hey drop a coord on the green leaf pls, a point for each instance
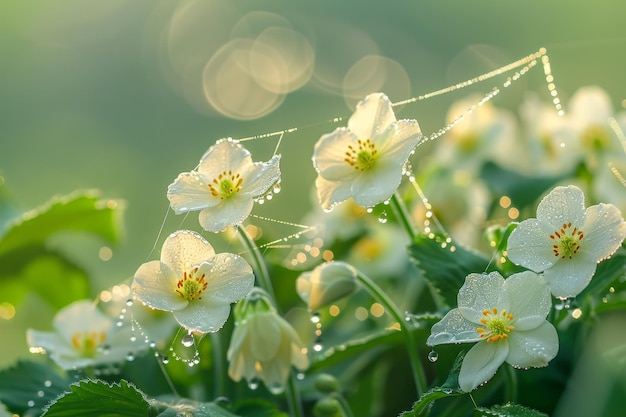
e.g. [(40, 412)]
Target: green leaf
[(30, 385), (521, 189), (28, 265), (508, 410), (187, 408), (609, 273), (98, 398), (257, 407), (83, 211), (37, 269), (422, 405), (446, 264)]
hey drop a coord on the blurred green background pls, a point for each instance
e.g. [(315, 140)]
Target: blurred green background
[(122, 95)]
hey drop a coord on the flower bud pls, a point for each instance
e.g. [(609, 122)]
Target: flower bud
[(326, 284)]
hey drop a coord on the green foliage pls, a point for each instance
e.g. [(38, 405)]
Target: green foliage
[(93, 397), (30, 385), (28, 265), (445, 269), (522, 190), (508, 410)]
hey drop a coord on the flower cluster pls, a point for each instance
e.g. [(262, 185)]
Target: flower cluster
[(506, 313)]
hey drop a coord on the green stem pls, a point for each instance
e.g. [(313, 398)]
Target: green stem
[(402, 214), (389, 305), (218, 364), (510, 377), (261, 272), (344, 404), (263, 279)]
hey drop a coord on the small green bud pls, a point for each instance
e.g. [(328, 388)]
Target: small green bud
[(326, 383)]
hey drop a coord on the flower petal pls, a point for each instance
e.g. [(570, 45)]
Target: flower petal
[(230, 212), (563, 205), (568, 277), (260, 177), (155, 286), (373, 115), (225, 155), (188, 193), (481, 363), (482, 292), (204, 316), (530, 299), (399, 140), (605, 230), (533, 348), (265, 335), (80, 316), (530, 245), (229, 277), (371, 188), (453, 328), (330, 153), (331, 193), (183, 249)]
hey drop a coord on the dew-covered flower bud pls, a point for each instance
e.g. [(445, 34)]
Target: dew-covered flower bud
[(326, 284), (263, 346)]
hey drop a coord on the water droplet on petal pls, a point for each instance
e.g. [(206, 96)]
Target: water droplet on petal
[(276, 189), (276, 389), (165, 360), (130, 357), (383, 217), (318, 345), (129, 302), (433, 356), (253, 384), (187, 340), (133, 338)]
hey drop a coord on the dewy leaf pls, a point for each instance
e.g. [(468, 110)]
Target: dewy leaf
[(422, 405), (30, 385), (508, 410), (444, 268), (98, 398), (77, 211), (188, 408)]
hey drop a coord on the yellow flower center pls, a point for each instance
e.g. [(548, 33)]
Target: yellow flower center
[(191, 285), (363, 156), (566, 241), (87, 342), (596, 137), (496, 325), (226, 184)]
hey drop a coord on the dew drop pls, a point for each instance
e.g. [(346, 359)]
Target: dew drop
[(369, 209), (119, 324), (47, 383), (433, 356), (105, 349), (383, 217), (276, 189), (447, 391), (187, 340), (268, 197), (276, 389), (315, 318), (165, 360), (130, 357), (30, 403), (318, 346), (261, 201), (133, 338), (300, 376), (152, 344), (253, 384), (129, 302), (40, 394)]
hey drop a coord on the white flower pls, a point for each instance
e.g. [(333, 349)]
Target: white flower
[(566, 241), (223, 186), (264, 346), (193, 282), (326, 284), (508, 320), (83, 336), (365, 160)]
